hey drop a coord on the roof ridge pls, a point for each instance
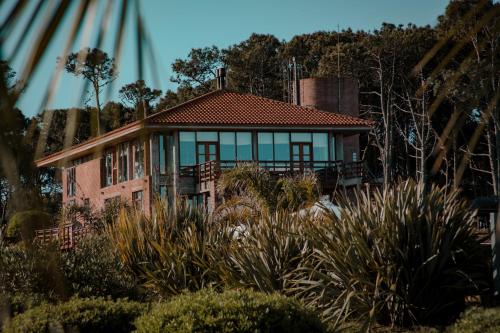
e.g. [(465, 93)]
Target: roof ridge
[(190, 101), (310, 108)]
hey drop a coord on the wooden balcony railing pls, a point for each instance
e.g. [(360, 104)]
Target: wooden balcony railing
[(325, 171), (67, 235)]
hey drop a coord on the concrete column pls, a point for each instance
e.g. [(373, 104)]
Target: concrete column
[(176, 165)]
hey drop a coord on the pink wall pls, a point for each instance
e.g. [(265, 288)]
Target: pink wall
[(88, 186)]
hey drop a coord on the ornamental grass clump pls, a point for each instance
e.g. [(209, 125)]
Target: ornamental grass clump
[(170, 252), (401, 257), (267, 252)]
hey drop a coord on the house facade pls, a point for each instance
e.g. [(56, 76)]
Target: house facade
[(183, 150)]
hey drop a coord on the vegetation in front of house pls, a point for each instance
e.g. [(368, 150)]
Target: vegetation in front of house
[(477, 320), (22, 225), (230, 311), (91, 269), (83, 315), (403, 257)]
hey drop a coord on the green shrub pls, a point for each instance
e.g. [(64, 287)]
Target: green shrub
[(12, 305), (22, 225), (477, 320), (230, 311), (402, 257), (93, 269), (82, 315), (90, 269), (30, 270)]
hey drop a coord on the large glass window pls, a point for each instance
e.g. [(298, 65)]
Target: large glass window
[(187, 149), (123, 162), (282, 146), (138, 160), (301, 137), (332, 148), (206, 136), (265, 146), (227, 146), (320, 146), (244, 146)]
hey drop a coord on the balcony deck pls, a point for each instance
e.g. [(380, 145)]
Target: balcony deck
[(329, 173)]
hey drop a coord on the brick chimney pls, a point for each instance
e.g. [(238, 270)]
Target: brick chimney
[(220, 75)]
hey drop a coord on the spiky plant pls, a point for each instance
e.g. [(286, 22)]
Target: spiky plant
[(251, 188), (169, 252), (265, 252), (405, 256)]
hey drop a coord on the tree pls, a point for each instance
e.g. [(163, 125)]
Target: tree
[(96, 67), (139, 96), (199, 68), (254, 66)]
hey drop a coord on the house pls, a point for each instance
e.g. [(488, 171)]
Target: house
[(182, 151)]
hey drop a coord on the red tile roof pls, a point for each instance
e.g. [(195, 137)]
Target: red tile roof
[(223, 107)]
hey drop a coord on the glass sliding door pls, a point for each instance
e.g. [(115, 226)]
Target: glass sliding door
[(301, 155)]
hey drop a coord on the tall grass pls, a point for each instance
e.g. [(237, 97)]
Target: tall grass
[(170, 252)]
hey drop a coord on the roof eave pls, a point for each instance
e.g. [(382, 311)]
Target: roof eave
[(91, 146)]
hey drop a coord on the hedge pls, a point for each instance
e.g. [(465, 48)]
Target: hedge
[(477, 320), (230, 311), (79, 315)]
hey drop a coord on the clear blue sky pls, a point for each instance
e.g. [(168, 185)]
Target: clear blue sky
[(176, 26)]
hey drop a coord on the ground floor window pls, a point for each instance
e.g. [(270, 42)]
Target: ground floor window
[(138, 200)]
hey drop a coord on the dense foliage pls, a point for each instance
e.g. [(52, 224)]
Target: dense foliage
[(22, 225), (477, 320), (401, 257), (91, 315), (91, 269), (230, 311)]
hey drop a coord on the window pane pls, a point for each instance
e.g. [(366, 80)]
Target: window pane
[(161, 151), (244, 146), (265, 141), (109, 168), (206, 136), (138, 160), (281, 146), (320, 146), (170, 157), (227, 146), (123, 163), (187, 149), (332, 148), (301, 137)]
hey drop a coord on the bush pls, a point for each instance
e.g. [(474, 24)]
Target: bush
[(402, 257), (22, 225), (12, 305), (93, 269), (29, 270), (90, 269), (477, 320), (230, 311), (81, 315)]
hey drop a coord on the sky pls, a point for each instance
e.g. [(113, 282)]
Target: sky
[(176, 26)]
